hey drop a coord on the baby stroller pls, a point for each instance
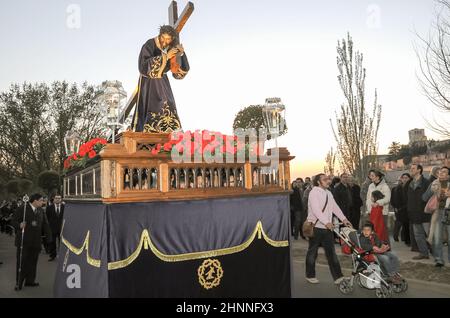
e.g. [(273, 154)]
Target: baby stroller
[(367, 272)]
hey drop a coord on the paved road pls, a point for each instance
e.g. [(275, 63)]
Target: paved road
[(302, 289), (45, 272), (327, 289)]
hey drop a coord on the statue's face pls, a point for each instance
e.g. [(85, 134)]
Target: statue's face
[(165, 40)]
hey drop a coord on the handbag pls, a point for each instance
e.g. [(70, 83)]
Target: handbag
[(308, 227), (432, 205)]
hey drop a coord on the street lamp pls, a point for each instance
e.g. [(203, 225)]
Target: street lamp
[(274, 113), (112, 96), (72, 142)]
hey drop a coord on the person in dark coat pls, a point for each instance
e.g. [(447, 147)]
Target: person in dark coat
[(357, 203), (416, 207), (296, 209), (334, 182), (55, 216), (343, 195), (399, 203), (32, 225)]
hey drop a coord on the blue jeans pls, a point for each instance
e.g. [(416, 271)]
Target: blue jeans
[(438, 246), (420, 234), (389, 262)]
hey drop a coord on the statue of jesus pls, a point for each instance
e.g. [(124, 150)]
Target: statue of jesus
[(155, 110)]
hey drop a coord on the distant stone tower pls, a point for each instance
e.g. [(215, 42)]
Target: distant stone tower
[(417, 137)]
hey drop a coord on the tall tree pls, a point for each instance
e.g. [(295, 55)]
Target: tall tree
[(24, 142), (252, 117), (356, 127), (433, 53), (330, 162), (78, 109), (34, 119), (394, 148)]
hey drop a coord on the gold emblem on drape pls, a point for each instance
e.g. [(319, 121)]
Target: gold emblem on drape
[(210, 273)]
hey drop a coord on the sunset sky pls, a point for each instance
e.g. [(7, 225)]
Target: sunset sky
[(240, 52)]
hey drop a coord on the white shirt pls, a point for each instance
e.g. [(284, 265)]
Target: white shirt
[(33, 207), (316, 202)]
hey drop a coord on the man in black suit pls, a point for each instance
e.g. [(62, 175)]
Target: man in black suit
[(28, 251), (55, 215)]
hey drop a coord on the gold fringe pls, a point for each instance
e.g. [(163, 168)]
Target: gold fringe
[(78, 251), (146, 243)]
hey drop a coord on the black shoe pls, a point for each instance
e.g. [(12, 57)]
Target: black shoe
[(32, 284), (51, 259), (18, 287), (396, 238), (438, 265)]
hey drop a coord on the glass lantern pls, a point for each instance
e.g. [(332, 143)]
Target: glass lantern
[(112, 96), (274, 113), (72, 142)]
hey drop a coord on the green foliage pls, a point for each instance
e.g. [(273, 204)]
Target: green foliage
[(407, 160), (394, 148), (406, 153), (49, 180), (25, 186), (34, 119), (441, 147), (252, 117), (12, 188)]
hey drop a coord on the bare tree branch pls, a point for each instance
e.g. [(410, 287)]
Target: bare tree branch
[(355, 129)]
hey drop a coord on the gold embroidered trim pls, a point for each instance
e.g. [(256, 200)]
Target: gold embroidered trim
[(165, 121), (158, 66), (158, 45), (158, 62), (147, 243), (78, 251)]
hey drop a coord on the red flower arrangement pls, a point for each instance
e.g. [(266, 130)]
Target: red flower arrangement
[(205, 143), (88, 150)]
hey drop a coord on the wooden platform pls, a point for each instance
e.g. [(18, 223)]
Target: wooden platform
[(128, 172)]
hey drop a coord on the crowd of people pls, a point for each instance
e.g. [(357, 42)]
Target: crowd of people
[(421, 206), (36, 225)]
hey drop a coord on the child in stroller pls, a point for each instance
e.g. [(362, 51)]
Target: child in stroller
[(370, 242), (374, 265)]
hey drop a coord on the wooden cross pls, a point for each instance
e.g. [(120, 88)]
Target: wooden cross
[(177, 22)]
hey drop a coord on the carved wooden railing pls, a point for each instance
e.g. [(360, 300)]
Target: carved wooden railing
[(128, 172)]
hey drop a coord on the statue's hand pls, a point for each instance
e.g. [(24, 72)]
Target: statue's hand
[(180, 49), (172, 53)]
